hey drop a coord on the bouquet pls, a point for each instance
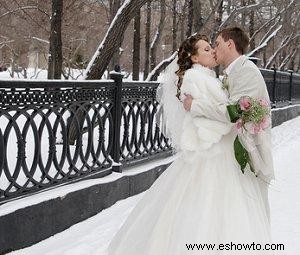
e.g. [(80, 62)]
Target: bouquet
[(251, 116)]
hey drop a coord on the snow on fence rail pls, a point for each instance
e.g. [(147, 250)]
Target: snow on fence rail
[(54, 132)]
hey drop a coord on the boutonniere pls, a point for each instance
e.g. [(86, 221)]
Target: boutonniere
[(225, 83)]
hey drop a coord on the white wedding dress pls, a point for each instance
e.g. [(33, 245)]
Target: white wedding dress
[(202, 197)]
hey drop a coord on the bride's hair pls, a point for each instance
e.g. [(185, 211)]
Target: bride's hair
[(186, 50)]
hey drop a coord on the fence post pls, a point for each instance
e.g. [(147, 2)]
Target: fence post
[(274, 87), (116, 112), (291, 86), (2, 155)]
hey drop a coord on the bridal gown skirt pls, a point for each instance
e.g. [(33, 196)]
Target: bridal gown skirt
[(201, 198)]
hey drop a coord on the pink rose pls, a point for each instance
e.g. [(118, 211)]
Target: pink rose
[(265, 123), (245, 104), (253, 128), (256, 129), (263, 103)]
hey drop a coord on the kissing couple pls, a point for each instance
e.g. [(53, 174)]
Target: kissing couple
[(215, 192)]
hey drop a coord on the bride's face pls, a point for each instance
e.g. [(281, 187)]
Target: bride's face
[(205, 55)]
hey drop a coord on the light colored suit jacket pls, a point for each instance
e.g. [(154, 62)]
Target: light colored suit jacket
[(245, 79)]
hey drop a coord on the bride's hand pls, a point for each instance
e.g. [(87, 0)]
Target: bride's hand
[(187, 102)]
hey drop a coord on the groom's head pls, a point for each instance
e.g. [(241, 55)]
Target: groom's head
[(230, 43)]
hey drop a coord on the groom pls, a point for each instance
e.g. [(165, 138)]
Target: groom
[(241, 78)]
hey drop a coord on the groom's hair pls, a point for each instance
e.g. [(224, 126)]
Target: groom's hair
[(238, 35)]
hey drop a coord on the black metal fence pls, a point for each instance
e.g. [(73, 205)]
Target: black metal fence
[(56, 132), (283, 87)]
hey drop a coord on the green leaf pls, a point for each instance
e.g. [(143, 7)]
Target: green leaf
[(241, 154), (234, 112)]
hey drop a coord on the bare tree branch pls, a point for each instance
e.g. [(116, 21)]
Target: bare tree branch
[(160, 67), (22, 8), (288, 59), (264, 43), (242, 9), (287, 40)]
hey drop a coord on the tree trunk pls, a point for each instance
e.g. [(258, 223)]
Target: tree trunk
[(243, 19), (218, 21), (190, 18), (99, 62), (182, 20), (55, 50), (198, 18), (174, 26), (147, 41), (13, 65), (136, 47), (114, 6), (298, 68), (158, 35), (264, 57), (252, 28), (292, 60)]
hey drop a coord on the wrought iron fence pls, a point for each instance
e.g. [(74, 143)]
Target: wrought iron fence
[(283, 87), (56, 132)]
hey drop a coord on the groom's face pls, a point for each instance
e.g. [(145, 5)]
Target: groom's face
[(221, 50)]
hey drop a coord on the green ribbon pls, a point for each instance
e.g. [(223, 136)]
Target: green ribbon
[(241, 154), (234, 112)]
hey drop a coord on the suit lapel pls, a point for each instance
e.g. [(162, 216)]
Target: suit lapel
[(234, 71)]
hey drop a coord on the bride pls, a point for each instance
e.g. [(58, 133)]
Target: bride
[(202, 203)]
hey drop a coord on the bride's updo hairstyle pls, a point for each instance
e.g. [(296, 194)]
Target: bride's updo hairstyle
[(186, 50)]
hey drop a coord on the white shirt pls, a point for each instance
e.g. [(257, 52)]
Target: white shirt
[(228, 69)]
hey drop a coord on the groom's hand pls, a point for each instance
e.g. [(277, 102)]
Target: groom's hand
[(187, 102)]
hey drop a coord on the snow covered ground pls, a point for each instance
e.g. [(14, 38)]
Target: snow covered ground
[(41, 74), (94, 234), (74, 74)]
